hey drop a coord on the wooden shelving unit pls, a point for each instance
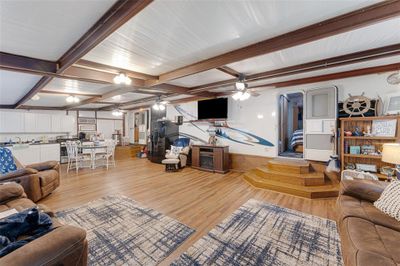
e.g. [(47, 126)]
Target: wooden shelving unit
[(362, 123)]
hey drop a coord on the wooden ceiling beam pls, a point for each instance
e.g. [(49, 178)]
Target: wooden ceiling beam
[(116, 16), (111, 69), (18, 62), (179, 101), (343, 23), (229, 71), (357, 57), (328, 77)]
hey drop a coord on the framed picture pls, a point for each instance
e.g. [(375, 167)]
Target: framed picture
[(392, 104), (384, 128), (355, 149)]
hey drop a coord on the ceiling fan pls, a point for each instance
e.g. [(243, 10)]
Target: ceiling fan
[(242, 91), (394, 78), (159, 105)]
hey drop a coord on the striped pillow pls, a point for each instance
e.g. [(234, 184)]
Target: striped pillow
[(389, 201)]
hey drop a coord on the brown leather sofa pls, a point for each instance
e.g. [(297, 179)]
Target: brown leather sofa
[(369, 237), (38, 180), (64, 245)]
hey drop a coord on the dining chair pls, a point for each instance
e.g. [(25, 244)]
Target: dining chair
[(74, 156), (108, 154)]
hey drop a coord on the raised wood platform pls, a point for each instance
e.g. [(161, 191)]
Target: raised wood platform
[(295, 177)]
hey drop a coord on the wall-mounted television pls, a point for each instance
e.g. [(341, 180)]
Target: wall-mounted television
[(213, 109)]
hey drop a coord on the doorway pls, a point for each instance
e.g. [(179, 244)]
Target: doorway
[(291, 125), (140, 126)]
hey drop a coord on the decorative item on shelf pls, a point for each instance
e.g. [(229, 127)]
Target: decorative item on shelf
[(350, 166), (387, 170), (384, 128), (357, 106), (368, 132), (348, 133), (355, 149), (368, 149), (366, 167), (357, 132), (391, 154), (212, 140)]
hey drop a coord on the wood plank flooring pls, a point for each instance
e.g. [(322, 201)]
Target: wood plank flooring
[(198, 199)]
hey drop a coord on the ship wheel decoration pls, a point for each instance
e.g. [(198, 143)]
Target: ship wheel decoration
[(357, 105)]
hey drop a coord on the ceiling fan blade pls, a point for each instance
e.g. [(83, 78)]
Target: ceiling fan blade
[(254, 94)]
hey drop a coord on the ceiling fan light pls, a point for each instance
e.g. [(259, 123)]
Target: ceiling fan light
[(244, 96), (70, 99), (162, 107), (240, 85), (128, 81), (156, 107), (117, 112), (35, 98), (237, 95), (76, 99)]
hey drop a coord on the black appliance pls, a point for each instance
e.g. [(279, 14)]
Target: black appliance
[(163, 134), (63, 148), (212, 109)]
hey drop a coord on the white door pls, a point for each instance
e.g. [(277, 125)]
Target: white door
[(320, 123)]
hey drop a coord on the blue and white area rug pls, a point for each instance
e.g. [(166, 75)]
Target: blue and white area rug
[(263, 234), (121, 232)]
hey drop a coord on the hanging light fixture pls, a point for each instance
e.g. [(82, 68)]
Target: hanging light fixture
[(35, 98), (159, 105), (241, 96), (72, 99), (121, 78), (117, 112)]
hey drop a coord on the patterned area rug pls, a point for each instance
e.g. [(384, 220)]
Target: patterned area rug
[(263, 234), (121, 232)]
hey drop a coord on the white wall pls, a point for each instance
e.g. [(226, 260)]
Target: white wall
[(247, 115)]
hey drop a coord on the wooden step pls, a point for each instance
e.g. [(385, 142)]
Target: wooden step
[(308, 179), (289, 166), (312, 192)]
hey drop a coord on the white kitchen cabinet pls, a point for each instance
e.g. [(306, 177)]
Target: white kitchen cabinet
[(43, 123), (56, 121), (28, 155), (68, 124), (11, 122), (49, 152), (30, 122)]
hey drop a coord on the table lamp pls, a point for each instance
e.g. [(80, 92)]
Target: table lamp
[(391, 154)]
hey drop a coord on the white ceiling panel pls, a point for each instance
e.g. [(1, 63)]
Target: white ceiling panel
[(14, 85), (374, 36), (46, 29), (371, 63), (51, 100), (201, 78), (93, 106), (170, 34), (71, 86), (126, 97)]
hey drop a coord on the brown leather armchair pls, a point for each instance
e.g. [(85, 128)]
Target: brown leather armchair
[(64, 245), (38, 180)]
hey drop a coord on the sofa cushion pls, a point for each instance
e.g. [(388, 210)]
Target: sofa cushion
[(44, 165), (353, 207), (389, 201), (366, 243), (9, 191), (369, 190)]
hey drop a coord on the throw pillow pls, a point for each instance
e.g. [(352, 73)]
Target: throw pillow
[(389, 201), (175, 150), (6, 161)]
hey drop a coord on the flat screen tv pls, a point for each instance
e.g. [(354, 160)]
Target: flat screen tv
[(213, 109)]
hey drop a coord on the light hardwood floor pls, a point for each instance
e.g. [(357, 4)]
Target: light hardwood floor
[(198, 199)]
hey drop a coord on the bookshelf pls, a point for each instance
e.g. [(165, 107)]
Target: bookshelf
[(349, 124)]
